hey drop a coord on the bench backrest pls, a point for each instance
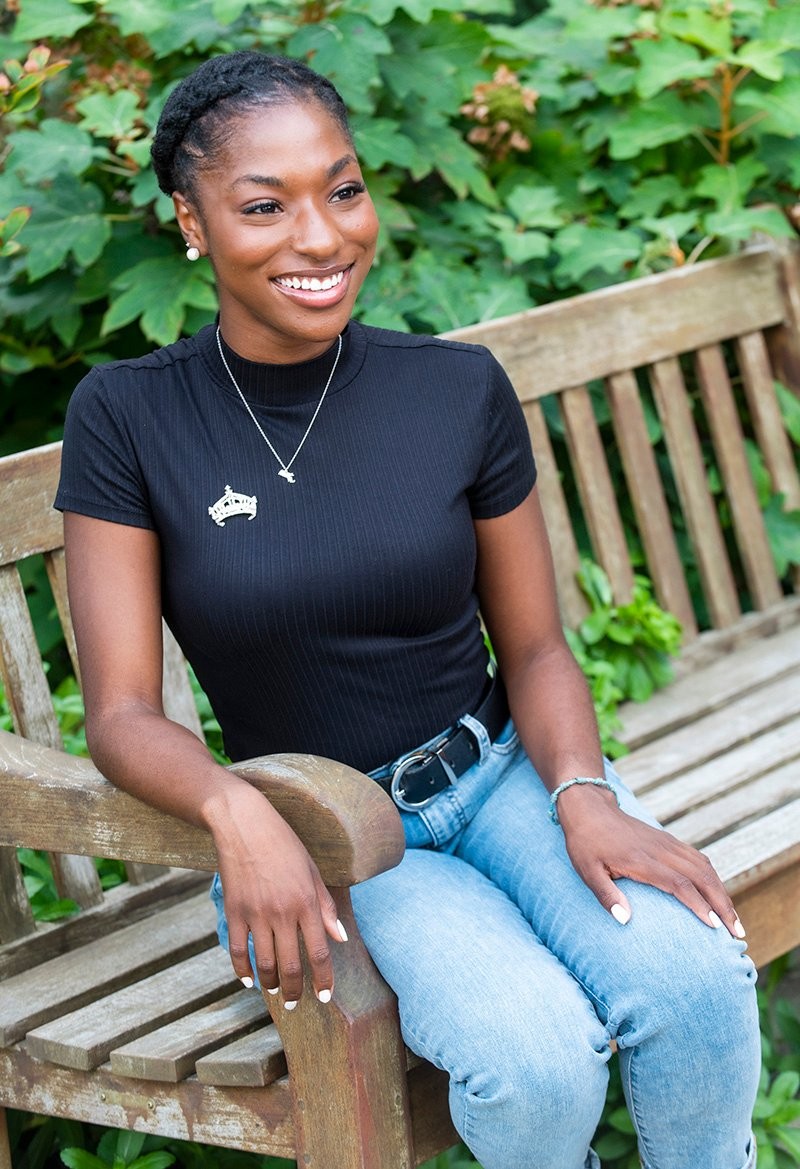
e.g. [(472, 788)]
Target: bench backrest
[(738, 319)]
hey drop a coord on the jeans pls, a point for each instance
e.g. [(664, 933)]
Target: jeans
[(511, 977)]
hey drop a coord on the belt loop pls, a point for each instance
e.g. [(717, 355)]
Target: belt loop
[(480, 732)]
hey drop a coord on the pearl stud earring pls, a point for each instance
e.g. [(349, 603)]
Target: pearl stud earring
[(192, 253)]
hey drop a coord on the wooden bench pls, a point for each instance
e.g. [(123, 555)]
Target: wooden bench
[(127, 1014)]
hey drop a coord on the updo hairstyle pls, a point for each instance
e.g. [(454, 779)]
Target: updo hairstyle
[(199, 114)]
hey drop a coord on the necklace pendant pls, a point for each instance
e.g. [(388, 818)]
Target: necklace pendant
[(286, 474)]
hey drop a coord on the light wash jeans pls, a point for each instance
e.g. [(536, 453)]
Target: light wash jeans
[(513, 978)]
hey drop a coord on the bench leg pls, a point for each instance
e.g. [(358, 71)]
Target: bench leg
[(5, 1147), (347, 1066)]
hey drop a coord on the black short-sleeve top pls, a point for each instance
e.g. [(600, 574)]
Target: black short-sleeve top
[(337, 614)]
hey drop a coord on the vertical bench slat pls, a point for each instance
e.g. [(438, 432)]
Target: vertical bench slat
[(596, 491), (771, 434), (726, 432), (686, 458), (179, 704), (574, 606), (647, 494), (56, 565), (16, 919)]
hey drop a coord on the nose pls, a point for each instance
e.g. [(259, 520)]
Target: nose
[(316, 232)]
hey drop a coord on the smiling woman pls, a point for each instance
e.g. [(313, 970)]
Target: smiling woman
[(319, 510)]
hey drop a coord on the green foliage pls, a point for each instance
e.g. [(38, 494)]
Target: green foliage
[(117, 1150), (623, 650)]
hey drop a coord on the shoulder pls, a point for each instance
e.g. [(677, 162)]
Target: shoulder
[(178, 355), (422, 345)]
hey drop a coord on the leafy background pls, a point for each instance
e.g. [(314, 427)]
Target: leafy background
[(518, 152)]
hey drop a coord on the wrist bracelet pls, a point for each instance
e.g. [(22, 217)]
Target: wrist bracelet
[(596, 781)]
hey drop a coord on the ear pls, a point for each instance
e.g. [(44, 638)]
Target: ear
[(189, 222)]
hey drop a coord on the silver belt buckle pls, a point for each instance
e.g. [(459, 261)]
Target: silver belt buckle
[(398, 795)]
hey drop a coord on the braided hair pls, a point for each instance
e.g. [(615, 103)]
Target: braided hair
[(196, 120)]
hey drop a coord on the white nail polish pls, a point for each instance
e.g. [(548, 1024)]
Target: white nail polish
[(621, 914), (324, 996), (342, 930), (739, 929), (273, 990), (714, 919), (290, 1006), (247, 982)]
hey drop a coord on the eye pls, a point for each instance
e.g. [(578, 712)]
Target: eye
[(264, 207), (349, 191)]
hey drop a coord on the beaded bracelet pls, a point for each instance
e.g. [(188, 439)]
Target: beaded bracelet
[(562, 787)]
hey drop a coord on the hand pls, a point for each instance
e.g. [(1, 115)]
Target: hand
[(273, 891), (605, 843)]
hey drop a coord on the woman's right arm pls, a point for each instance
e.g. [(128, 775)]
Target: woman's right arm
[(272, 887)]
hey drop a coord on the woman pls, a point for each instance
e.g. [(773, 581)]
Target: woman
[(318, 509)]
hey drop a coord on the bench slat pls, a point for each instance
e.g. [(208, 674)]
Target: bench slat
[(28, 483), (127, 955), (697, 505), (171, 1052), (85, 1038), (758, 849), (598, 499), (702, 825), (647, 496), (723, 420), (250, 1062), (16, 918)]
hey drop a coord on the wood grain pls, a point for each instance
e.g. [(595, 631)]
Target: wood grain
[(253, 1061)]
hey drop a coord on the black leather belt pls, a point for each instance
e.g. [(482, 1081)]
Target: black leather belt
[(419, 777)]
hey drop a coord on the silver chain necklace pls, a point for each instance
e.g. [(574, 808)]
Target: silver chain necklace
[(285, 471)]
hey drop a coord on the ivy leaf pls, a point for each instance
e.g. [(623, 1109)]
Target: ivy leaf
[(764, 58), (670, 227), (53, 148), (66, 220), (783, 532), (778, 105), (456, 161), (380, 141), (521, 246), (728, 186), (156, 292), (185, 22), (137, 16), (652, 194), (535, 206), (346, 51), (49, 19), (711, 30), (665, 61), (583, 248), (501, 298), (664, 119), (110, 115), (741, 223)]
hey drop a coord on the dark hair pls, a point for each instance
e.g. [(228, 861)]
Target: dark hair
[(195, 121)]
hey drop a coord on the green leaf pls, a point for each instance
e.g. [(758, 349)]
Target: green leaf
[(379, 141), (584, 248), (665, 61), (55, 147), (67, 222), (703, 26), (778, 106), (742, 223), (129, 1145), (783, 532), (535, 206), (137, 16), (500, 299), (47, 19), (651, 194), (670, 227), (790, 411), (728, 186), (345, 50), (790, 1139), (110, 115), (521, 246), (764, 57), (156, 292), (664, 119)]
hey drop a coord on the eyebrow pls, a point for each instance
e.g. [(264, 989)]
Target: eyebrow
[(273, 181)]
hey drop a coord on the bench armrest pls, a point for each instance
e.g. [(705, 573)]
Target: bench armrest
[(61, 803)]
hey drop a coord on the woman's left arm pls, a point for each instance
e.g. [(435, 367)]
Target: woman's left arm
[(552, 709)]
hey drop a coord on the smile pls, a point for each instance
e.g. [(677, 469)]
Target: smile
[(311, 283)]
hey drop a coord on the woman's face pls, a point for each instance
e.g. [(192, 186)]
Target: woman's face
[(289, 228)]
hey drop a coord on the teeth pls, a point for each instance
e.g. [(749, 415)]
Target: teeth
[(311, 283)]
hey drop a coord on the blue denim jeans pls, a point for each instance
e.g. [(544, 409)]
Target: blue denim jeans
[(511, 977)]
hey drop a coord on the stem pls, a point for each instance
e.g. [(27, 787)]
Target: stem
[(727, 89), (712, 150)]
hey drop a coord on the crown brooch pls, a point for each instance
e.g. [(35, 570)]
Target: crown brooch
[(232, 503)]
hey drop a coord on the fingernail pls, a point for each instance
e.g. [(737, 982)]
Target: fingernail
[(342, 930), (324, 996), (621, 914), (247, 982), (290, 1006), (739, 929), (714, 919), (273, 990)]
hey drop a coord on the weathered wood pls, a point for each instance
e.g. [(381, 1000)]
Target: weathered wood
[(5, 1147), (21, 671), (101, 967), (770, 913), (703, 825), (16, 918), (28, 484), (85, 1038), (256, 1120), (649, 503), (726, 430), (56, 565), (696, 503), (351, 827), (759, 849), (358, 1033), (569, 343), (179, 704), (171, 1053), (253, 1061), (783, 340), (598, 498), (428, 1091)]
